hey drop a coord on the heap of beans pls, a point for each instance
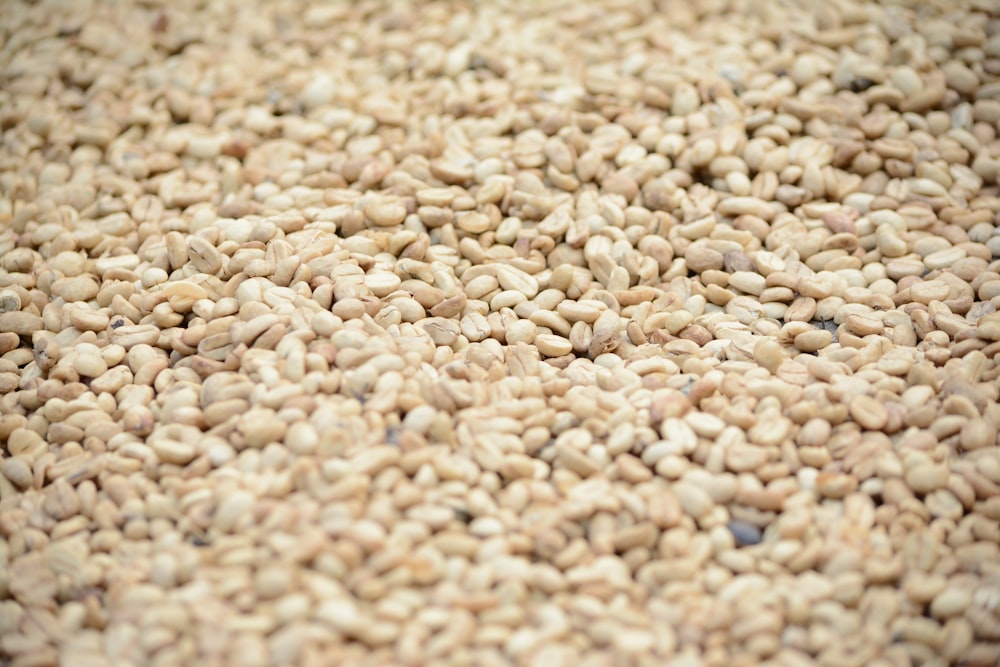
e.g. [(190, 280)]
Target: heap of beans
[(492, 333)]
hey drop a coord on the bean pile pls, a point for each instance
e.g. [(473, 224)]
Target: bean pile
[(515, 332)]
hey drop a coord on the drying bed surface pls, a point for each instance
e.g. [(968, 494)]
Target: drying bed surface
[(543, 333)]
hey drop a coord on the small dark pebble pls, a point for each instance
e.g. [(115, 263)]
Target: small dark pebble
[(745, 533), (861, 85), (829, 325), (197, 541)]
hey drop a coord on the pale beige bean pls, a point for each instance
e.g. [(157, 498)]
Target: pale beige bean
[(20, 322), (868, 412)]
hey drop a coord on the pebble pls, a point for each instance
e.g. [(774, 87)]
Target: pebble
[(745, 534)]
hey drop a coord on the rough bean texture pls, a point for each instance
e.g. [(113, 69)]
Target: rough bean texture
[(495, 333)]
